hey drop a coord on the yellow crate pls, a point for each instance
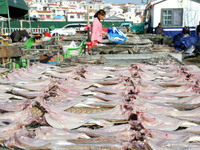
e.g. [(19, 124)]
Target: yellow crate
[(5, 42)]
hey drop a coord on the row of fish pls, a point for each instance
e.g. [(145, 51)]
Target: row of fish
[(97, 107), (162, 60)]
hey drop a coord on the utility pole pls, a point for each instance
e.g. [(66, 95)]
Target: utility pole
[(9, 30), (29, 20), (147, 10), (88, 22)]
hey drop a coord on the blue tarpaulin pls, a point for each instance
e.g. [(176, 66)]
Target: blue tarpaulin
[(181, 42), (115, 35)]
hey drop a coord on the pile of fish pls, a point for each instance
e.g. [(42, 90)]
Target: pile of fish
[(162, 60), (97, 107), (75, 61)]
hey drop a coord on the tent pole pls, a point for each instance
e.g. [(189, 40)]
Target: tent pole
[(2, 27), (21, 25), (29, 20), (8, 20)]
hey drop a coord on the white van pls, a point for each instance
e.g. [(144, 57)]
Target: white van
[(69, 29)]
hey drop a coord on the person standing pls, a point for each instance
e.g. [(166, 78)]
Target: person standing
[(159, 29), (198, 29), (97, 31), (37, 29)]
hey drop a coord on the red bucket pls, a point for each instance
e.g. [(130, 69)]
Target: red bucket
[(91, 44)]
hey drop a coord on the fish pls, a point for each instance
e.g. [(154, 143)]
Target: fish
[(48, 133), (154, 108), (25, 93), (8, 129), (169, 145), (15, 106), (97, 140), (183, 89), (107, 146), (149, 87), (193, 119), (188, 113), (22, 140), (161, 122), (185, 106), (34, 86), (167, 135), (116, 114), (193, 130), (194, 99), (65, 120), (24, 116)]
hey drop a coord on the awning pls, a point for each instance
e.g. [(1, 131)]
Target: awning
[(58, 17), (17, 8)]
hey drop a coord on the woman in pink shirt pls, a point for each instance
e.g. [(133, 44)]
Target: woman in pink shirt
[(96, 35)]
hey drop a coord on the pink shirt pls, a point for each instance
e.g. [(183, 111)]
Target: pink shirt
[(97, 31)]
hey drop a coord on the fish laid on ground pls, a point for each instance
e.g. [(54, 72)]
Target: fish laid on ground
[(98, 107), (49, 133), (14, 106), (161, 122), (25, 93), (22, 139)]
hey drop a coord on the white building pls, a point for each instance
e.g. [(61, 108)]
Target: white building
[(91, 16), (96, 4), (41, 1), (71, 2), (133, 12), (83, 5), (174, 15), (130, 11), (44, 15), (75, 16), (112, 10), (36, 7), (114, 18), (51, 6), (132, 16), (29, 2), (73, 10), (58, 11), (140, 8), (55, 1)]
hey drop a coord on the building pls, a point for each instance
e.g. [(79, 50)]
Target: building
[(114, 19), (44, 15), (36, 7), (96, 5), (29, 2), (70, 2), (132, 16), (128, 12), (41, 1), (174, 15), (76, 16), (76, 10), (58, 11)]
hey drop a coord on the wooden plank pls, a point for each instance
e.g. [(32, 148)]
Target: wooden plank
[(10, 51)]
